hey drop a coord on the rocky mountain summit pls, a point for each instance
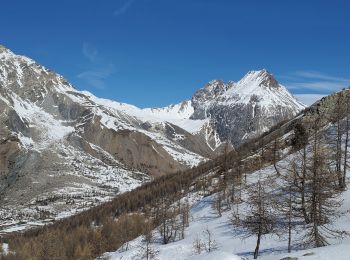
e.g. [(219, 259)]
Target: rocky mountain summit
[(63, 150), (246, 109)]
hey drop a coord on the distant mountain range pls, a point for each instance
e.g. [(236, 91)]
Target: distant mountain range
[(63, 150)]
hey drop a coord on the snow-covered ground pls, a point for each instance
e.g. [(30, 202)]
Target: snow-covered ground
[(231, 241)]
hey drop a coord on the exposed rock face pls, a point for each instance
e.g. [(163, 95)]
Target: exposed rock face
[(242, 110), (10, 155), (210, 92), (132, 148)]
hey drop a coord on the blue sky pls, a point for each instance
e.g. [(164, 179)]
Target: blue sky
[(156, 52)]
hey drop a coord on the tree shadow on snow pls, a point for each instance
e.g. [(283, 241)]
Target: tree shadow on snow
[(263, 252)]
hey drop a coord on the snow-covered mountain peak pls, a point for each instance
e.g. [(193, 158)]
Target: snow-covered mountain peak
[(254, 83), (261, 86), (6, 55), (254, 103), (26, 78), (4, 51), (213, 83), (3, 48), (261, 78), (210, 91)]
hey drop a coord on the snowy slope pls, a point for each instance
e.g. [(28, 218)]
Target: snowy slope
[(178, 114), (231, 241)]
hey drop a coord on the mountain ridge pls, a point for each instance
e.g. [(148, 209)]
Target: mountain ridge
[(60, 145)]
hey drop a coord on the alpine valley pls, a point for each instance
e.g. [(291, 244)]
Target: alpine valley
[(64, 150)]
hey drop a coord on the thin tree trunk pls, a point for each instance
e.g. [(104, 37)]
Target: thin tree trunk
[(276, 169), (316, 235), (290, 221), (303, 207), (338, 156), (275, 158), (233, 192), (346, 150), (256, 252), (260, 210), (314, 180)]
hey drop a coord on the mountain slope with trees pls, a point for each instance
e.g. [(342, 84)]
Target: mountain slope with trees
[(282, 191)]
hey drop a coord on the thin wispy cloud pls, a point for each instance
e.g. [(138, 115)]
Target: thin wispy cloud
[(125, 6), (89, 51), (321, 86), (98, 70), (322, 76), (309, 99), (310, 86), (306, 81), (97, 77)]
